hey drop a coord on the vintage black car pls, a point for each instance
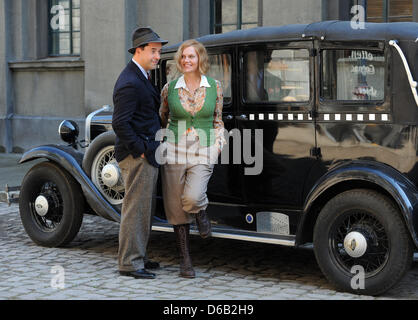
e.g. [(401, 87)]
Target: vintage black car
[(338, 113)]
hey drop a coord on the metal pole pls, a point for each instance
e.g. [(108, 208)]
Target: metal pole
[(260, 13), (239, 14), (71, 27), (385, 10)]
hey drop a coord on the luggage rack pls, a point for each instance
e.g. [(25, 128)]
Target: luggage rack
[(10, 195)]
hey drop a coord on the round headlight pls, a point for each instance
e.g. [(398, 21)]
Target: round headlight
[(68, 131)]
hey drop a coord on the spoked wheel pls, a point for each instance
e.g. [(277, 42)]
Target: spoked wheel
[(361, 242), (51, 205), (47, 209), (359, 239), (100, 164), (105, 174)]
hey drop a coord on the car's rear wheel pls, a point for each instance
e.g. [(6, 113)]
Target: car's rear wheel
[(51, 205), (101, 166), (361, 242)]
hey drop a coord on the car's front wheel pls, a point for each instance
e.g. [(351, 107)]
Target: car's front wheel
[(51, 205), (100, 164), (361, 242)]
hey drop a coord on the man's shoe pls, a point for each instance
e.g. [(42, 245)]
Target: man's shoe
[(152, 265), (138, 274)]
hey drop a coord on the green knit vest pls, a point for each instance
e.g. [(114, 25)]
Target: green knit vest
[(202, 121)]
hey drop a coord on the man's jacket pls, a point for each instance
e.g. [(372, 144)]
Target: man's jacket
[(136, 115)]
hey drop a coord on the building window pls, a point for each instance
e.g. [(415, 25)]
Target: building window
[(64, 27), (389, 10), (229, 15)]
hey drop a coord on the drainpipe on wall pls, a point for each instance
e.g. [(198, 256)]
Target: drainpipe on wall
[(196, 21), (131, 23), (8, 139)]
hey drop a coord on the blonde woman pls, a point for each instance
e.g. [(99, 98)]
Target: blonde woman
[(191, 108)]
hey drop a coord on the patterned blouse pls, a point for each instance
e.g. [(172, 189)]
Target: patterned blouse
[(192, 103)]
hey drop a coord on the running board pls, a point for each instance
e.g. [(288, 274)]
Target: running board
[(284, 241)]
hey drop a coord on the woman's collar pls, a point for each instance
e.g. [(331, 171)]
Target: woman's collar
[(181, 83)]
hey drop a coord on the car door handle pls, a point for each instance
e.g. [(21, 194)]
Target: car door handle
[(229, 117), (242, 117)]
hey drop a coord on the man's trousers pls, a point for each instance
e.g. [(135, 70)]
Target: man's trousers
[(140, 180)]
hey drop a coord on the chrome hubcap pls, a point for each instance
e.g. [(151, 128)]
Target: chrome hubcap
[(41, 205), (110, 175), (355, 244)]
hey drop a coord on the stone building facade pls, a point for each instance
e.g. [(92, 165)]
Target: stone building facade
[(59, 59)]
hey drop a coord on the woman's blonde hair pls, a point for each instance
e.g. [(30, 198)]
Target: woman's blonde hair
[(201, 53)]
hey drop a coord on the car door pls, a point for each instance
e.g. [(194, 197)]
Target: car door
[(225, 191), (276, 124), (221, 188), (354, 119)]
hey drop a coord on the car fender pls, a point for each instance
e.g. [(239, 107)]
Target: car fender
[(402, 191), (70, 160)]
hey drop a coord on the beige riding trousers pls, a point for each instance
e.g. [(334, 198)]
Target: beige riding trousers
[(184, 181)]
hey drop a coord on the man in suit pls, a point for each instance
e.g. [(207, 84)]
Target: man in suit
[(135, 122)]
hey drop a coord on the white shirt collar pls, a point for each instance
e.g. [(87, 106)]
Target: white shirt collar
[(142, 69), (181, 83)]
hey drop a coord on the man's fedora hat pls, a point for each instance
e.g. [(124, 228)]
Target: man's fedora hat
[(144, 35)]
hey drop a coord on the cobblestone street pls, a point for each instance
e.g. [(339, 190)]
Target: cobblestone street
[(225, 269)]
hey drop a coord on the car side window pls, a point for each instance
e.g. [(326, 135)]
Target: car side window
[(220, 69), (352, 75), (277, 75)]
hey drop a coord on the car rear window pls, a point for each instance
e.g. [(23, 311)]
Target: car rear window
[(352, 75)]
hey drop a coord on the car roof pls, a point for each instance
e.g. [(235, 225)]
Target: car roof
[(326, 30)]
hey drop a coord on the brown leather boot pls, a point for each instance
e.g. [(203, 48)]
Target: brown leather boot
[(203, 224), (182, 239)]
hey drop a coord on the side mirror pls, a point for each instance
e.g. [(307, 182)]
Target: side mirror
[(68, 131)]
